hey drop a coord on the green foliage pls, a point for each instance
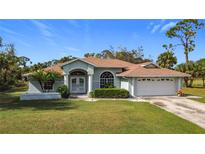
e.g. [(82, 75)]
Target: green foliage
[(111, 93), (43, 77), (167, 59), (185, 31), (109, 85), (122, 53), (201, 64), (11, 66), (92, 94), (89, 55), (192, 68), (64, 91), (40, 66)]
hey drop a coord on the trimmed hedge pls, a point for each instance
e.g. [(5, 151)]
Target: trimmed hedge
[(110, 93)]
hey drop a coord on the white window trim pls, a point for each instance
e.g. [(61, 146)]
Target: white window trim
[(109, 72)]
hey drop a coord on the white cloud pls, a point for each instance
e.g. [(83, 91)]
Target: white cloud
[(72, 49), (24, 43), (150, 25), (9, 31), (45, 30), (161, 26), (167, 26), (155, 28)]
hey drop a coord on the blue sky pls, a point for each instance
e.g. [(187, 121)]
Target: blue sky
[(43, 40)]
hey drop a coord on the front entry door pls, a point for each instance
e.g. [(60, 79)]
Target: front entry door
[(77, 84)]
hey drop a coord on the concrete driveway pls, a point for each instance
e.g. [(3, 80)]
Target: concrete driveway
[(181, 106)]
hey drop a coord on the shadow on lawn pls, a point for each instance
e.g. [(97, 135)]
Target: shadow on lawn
[(14, 103)]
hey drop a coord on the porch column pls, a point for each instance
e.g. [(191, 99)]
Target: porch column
[(179, 84), (90, 83), (132, 86), (66, 79)]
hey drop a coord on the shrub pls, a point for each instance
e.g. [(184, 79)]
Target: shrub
[(64, 91), (109, 85), (111, 93), (91, 94)]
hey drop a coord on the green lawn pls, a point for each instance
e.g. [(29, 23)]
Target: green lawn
[(197, 90), (64, 116), (15, 92)]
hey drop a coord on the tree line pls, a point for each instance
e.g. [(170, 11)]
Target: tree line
[(122, 53), (11, 66)]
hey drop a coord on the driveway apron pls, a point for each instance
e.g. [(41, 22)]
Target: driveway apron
[(185, 108)]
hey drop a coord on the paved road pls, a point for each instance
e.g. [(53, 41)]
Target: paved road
[(183, 107)]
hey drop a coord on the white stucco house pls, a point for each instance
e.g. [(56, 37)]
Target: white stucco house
[(85, 75)]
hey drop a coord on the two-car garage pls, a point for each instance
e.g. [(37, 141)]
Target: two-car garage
[(155, 86), (151, 80)]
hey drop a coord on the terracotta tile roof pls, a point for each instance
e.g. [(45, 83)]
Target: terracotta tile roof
[(108, 63), (140, 71), (57, 68), (132, 70)]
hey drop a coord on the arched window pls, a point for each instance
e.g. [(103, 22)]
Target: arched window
[(106, 80)]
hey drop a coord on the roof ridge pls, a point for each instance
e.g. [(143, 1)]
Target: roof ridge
[(109, 59)]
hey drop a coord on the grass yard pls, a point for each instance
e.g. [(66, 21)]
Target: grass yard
[(64, 116), (15, 92), (198, 83), (197, 90)]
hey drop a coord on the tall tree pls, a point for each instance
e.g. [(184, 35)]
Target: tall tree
[(133, 56), (89, 54), (43, 65), (185, 31), (11, 66), (167, 58), (201, 64), (183, 68), (122, 53), (107, 54)]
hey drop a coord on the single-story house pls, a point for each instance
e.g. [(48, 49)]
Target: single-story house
[(85, 75)]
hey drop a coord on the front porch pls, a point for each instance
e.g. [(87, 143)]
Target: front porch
[(79, 82)]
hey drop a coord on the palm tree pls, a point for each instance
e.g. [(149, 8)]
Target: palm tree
[(191, 68), (194, 70), (167, 58), (201, 64), (183, 68), (43, 77)]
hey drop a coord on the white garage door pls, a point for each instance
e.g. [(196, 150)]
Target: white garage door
[(155, 86)]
